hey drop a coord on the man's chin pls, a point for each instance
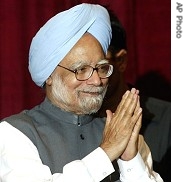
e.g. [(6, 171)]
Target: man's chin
[(91, 110), (91, 104)]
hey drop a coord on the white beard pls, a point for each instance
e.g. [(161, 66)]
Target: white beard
[(81, 104)]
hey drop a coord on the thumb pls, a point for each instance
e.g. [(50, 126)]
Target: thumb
[(109, 116)]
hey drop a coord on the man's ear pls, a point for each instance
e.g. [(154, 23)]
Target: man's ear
[(121, 57), (49, 81)]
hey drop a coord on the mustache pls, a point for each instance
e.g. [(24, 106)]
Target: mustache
[(93, 89)]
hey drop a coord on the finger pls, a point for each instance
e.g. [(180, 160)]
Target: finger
[(138, 124), (132, 100), (133, 90), (109, 118), (126, 100), (122, 102), (137, 105), (128, 107), (109, 115), (108, 121), (133, 104), (137, 92)]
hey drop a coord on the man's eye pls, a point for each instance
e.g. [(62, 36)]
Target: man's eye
[(82, 70)]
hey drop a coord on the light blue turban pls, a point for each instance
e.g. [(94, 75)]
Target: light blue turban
[(57, 37)]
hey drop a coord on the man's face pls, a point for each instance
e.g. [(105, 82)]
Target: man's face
[(80, 97)]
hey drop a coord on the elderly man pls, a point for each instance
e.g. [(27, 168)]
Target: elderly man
[(61, 139)]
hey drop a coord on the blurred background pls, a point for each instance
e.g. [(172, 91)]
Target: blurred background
[(148, 27)]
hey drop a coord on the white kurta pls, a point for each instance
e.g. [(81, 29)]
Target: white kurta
[(47, 144), (20, 162)]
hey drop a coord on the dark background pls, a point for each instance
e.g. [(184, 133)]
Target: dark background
[(148, 26)]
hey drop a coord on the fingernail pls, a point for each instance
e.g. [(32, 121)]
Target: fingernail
[(133, 90)]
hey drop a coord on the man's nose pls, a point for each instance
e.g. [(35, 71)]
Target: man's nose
[(94, 79)]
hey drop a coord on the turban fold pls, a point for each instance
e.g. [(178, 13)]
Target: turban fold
[(59, 34)]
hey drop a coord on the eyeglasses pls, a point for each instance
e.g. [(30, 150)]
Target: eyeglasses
[(84, 73)]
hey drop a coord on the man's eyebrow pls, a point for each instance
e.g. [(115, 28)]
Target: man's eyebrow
[(82, 63), (78, 64), (103, 61)]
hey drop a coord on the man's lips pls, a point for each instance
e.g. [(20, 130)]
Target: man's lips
[(91, 93)]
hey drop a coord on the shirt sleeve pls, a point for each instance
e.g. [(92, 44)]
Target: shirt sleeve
[(140, 167), (20, 162)]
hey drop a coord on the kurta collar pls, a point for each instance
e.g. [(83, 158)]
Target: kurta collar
[(64, 116)]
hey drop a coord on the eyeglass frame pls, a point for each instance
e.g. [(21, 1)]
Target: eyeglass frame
[(91, 73)]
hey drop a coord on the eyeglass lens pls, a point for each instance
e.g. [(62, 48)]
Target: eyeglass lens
[(86, 72)]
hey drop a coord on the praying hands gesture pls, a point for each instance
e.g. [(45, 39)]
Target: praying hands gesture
[(120, 137)]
